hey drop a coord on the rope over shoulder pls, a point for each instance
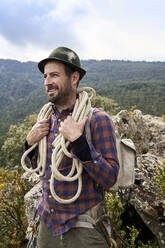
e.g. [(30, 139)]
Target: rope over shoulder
[(81, 109)]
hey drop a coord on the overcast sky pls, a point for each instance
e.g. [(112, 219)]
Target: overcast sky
[(95, 29)]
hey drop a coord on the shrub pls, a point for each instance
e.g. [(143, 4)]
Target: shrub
[(163, 117), (128, 235), (12, 211), (160, 179), (13, 146)]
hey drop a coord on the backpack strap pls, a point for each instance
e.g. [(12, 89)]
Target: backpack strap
[(87, 125), (126, 153)]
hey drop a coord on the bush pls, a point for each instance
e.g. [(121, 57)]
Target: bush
[(160, 179), (13, 146), (163, 117), (109, 105), (126, 236), (12, 211)]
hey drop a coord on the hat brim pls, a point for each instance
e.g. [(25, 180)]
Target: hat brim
[(43, 62)]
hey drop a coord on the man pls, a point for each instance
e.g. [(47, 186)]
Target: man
[(60, 223)]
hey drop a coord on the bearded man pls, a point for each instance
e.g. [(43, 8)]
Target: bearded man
[(64, 225)]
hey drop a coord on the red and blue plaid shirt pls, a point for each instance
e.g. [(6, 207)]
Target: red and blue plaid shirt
[(99, 174)]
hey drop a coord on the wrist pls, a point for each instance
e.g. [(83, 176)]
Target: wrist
[(29, 141), (75, 137)]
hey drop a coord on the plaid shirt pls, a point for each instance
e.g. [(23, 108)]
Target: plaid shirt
[(99, 173)]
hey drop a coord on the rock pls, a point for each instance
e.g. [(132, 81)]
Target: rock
[(156, 127), (146, 131), (145, 197), (133, 126), (148, 135), (31, 198), (31, 178)]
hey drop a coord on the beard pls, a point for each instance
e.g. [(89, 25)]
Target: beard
[(61, 97)]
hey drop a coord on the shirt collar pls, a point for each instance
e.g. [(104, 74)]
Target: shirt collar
[(64, 111)]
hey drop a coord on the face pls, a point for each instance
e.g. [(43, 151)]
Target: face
[(57, 83)]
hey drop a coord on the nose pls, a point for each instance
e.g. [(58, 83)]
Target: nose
[(47, 80)]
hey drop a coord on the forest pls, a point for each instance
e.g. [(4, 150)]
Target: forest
[(127, 83)]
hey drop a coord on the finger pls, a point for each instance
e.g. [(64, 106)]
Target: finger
[(44, 124), (83, 121), (69, 117), (61, 123), (44, 121), (45, 129)]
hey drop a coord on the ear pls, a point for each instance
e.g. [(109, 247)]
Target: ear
[(75, 79)]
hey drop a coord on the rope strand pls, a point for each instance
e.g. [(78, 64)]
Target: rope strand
[(81, 109)]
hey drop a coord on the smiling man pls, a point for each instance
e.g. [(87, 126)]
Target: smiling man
[(72, 225), (58, 84)]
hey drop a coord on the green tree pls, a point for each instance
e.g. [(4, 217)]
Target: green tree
[(109, 105), (13, 146)]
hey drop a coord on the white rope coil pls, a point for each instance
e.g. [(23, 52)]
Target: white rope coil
[(81, 109)]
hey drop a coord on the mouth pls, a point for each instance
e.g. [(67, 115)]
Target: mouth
[(52, 93), (51, 89)]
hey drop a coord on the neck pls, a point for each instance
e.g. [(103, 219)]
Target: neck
[(68, 104)]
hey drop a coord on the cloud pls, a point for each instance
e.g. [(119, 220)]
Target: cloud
[(120, 32), (39, 25), (107, 29), (30, 52), (24, 22)]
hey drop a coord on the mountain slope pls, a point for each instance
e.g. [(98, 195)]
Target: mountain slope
[(128, 83)]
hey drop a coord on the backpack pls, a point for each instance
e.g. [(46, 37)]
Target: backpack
[(126, 153)]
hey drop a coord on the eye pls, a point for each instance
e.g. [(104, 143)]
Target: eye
[(54, 75)]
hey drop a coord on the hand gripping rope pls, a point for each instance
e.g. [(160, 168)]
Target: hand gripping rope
[(81, 109)]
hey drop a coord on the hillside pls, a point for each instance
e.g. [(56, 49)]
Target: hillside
[(128, 83)]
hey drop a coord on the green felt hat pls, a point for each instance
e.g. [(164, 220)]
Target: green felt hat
[(65, 55)]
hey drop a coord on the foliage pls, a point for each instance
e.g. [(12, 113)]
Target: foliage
[(12, 210), (163, 117), (160, 179), (2, 156), (132, 236), (148, 96), (109, 105), (149, 245), (132, 111), (14, 143), (115, 208), (129, 234)]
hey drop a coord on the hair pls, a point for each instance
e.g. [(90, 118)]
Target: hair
[(69, 70)]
